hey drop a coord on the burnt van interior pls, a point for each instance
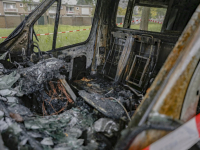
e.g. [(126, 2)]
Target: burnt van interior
[(81, 96)]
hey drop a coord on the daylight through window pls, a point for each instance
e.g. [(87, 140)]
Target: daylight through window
[(143, 18), (148, 18), (75, 25)]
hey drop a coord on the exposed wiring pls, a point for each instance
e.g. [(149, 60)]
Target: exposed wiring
[(37, 46), (129, 118), (54, 95), (109, 92), (134, 133), (139, 95)]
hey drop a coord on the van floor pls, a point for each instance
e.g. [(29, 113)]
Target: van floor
[(37, 110), (80, 127), (111, 99)]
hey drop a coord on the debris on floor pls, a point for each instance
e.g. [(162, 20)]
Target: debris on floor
[(39, 110), (107, 126), (112, 100)]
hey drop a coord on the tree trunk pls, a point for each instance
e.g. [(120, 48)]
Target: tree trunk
[(145, 18), (45, 19)]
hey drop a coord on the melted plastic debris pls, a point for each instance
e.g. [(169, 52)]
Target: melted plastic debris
[(34, 134), (74, 129), (7, 123), (16, 117), (1, 114), (106, 106), (73, 132), (3, 125), (19, 109), (3, 98), (24, 141), (47, 141), (62, 131), (16, 128), (106, 126), (7, 81), (31, 79), (1, 69), (3, 57), (8, 92), (12, 100), (101, 94)]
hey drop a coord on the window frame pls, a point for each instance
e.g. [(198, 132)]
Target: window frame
[(6, 3), (58, 6), (132, 4), (71, 9), (32, 7), (81, 43), (149, 22), (21, 5), (58, 13)]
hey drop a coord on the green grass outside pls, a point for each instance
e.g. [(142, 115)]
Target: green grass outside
[(4, 32), (64, 39)]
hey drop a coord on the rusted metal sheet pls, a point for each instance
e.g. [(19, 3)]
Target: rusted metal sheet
[(190, 105), (167, 92), (177, 56), (146, 138), (171, 100)]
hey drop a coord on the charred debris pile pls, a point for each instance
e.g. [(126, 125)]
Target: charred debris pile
[(40, 110)]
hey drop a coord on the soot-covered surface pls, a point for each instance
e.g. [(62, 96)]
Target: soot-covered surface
[(106, 96), (79, 128), (46, 116)]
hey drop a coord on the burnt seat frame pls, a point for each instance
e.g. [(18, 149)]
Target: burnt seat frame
[(126, 50), (120, 59), (95, 95), (118, 56), (146, 49)]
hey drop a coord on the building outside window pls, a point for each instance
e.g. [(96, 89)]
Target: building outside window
[(85, 11), (70, 9), (31, 7), (10, 7), (52, 9)]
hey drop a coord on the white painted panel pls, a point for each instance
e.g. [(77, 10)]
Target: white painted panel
[(85, 11)]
